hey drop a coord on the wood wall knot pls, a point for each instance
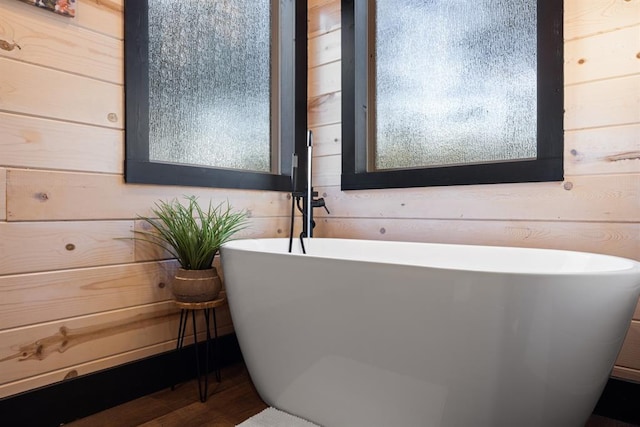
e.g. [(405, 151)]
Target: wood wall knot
[(36, 350), (629, 155), (9, 46), (39, 351), (71, 374), (42, 348), (43, 197), (520, 233), (577, 156)]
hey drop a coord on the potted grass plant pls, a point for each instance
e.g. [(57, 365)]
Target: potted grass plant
[(193, 236)]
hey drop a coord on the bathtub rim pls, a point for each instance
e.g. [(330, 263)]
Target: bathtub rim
[(241, 244)]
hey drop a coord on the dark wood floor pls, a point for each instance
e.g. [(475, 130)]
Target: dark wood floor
[(230, 402)]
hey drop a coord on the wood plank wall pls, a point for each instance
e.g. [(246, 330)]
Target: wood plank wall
[(596, 208), (73, 298)]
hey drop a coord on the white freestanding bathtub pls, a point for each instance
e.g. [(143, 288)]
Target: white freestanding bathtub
[(393, 334)]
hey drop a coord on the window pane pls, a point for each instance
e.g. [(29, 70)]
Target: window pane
[(209, 83), (455, 82)]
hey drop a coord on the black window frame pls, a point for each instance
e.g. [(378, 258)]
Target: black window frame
[(293, 110), (548, 166)]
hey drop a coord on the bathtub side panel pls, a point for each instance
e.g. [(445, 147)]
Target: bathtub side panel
[(359, 344)]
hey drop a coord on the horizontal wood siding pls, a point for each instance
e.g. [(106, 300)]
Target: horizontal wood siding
[(601, 103), (610, 150), (35, 143), (325, 109), (78, 294), (35, 90), (101, 16), (620, 239), (596, 208), (324, 17), (3, 194), (584, 18), (51, 195), (324, 50), (578, 198), (42, 246), (602, 56), (32, 298)]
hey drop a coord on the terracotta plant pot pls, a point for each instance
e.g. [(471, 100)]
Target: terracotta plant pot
[(196, 285)]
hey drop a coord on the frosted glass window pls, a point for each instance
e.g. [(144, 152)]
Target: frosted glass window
[(455, 82), (210, 83)]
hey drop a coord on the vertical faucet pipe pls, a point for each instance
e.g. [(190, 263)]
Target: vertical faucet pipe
[(294, 177), (309, 188)]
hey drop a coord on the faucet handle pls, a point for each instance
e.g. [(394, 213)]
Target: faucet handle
[(320, 203)]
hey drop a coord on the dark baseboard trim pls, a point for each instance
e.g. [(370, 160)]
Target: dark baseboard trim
[(620, 400), (78, 397)]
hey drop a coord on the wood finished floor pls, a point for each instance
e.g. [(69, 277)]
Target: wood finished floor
[(229, 403)]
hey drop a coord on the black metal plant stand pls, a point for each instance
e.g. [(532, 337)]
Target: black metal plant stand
[(209, 311)]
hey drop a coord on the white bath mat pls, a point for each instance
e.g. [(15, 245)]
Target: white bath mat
[(272, 417)]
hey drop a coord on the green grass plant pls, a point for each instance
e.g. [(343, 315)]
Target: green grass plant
[(190, 233)]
